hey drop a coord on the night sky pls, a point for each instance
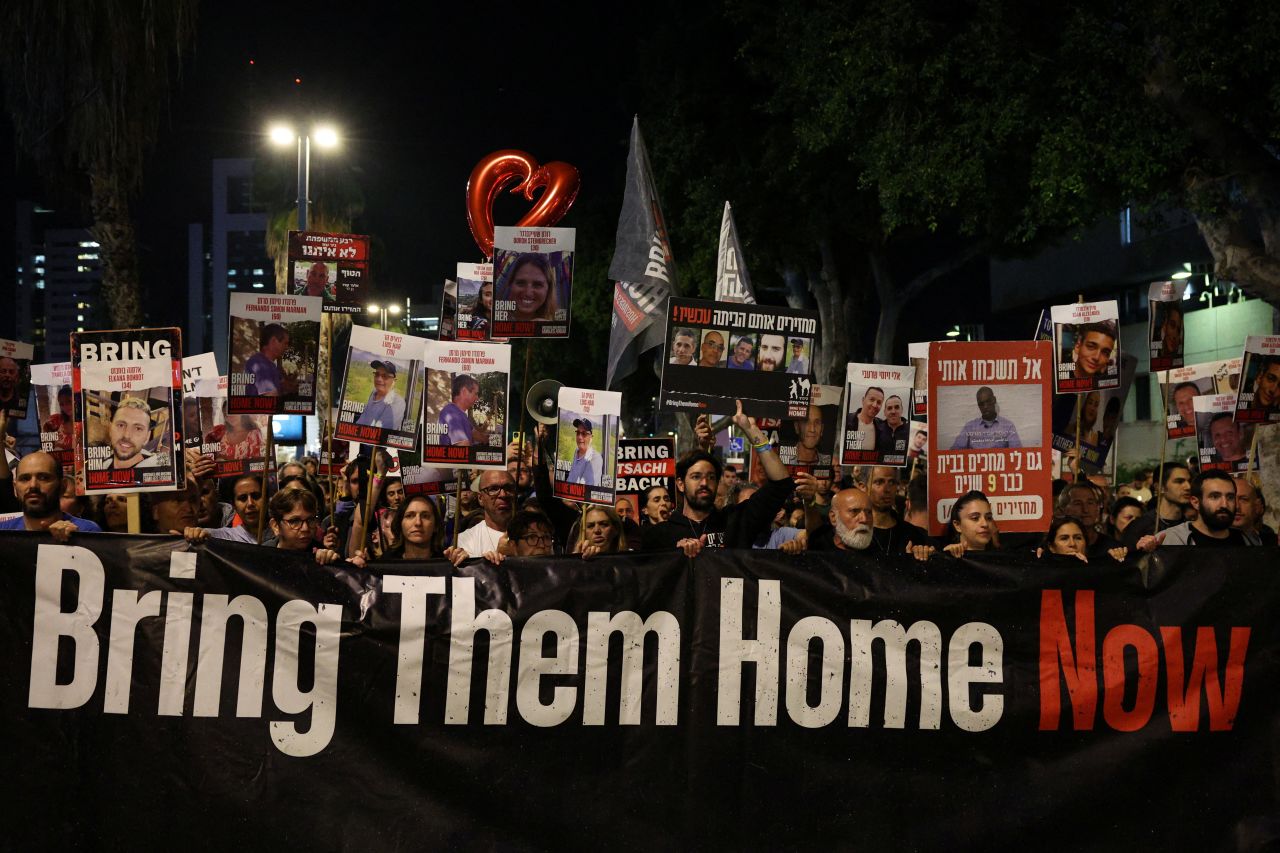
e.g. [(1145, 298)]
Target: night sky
[(418, 97)]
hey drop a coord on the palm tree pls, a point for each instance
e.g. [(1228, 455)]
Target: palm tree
[(86, 84)]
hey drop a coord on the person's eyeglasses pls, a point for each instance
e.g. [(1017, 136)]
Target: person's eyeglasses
[(698, 478), (536, 539), (494, 491), (582, 432), (299, 523)]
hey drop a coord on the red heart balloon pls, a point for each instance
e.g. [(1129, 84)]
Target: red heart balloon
[(558, 182)]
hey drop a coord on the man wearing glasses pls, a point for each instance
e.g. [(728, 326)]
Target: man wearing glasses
[(587, 464), (496, 492)]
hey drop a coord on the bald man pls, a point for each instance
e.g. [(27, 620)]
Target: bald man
[(37, 484)]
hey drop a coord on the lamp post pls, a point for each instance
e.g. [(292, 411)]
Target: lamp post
[(382, 311), (325, 136)]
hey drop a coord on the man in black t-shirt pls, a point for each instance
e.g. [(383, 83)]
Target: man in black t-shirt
[(1213, 497), (890, 534), (700, 524)]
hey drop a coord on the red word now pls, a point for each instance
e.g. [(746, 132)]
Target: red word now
[(1077, 666)]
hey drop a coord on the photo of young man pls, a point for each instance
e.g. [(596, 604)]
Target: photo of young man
[(771, 353)]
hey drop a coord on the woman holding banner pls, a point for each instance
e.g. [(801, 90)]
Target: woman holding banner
[(418, 531), (601, 533), (972, 526)]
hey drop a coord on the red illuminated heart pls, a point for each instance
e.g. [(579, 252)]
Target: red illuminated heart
[(558, 182)]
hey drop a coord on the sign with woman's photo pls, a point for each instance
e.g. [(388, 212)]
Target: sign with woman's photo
[(533, 280), (15, 377), (474, 289), (55, 409), (332, 267), (1223, 441), (465, 419), (877, 414), (236, 443), (587, 445), (382, 389), (1183, 384), (1086, 351), (448, 328), (1100, 413), (275, 346), (127, 392), (989, 431), (1259, 398), (1164, 323), (718, 353)]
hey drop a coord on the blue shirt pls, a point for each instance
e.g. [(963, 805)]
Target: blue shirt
[(458, 423), (84, 525), (387, 413), (586, 468), (267, 378), (978, 434), (749, 364)]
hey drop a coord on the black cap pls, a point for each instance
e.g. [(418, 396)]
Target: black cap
[(583, 423), (389, 366)]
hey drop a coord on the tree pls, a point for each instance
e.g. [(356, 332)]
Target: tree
[(86, 84)]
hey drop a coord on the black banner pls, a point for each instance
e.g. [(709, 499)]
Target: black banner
[(235, 696)]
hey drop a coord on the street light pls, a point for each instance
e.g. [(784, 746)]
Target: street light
[(326, 137), (382, 311)]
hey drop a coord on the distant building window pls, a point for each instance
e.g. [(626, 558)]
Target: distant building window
[(88, 244), (1126, 226), (231, 272)]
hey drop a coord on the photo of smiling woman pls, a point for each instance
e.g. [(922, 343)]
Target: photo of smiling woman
[(533, 272)]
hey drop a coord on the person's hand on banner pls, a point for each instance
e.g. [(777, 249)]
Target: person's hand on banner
[(1149, 543), (692, 547), (495, 557), (589, 551), (920, 552), (706, 439), (61, 530), (955, 549), (456, 555), (330, 539), (325, 556), (796, 546), (1118, 554), (194, 535)]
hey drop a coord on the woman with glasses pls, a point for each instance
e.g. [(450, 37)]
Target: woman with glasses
[(417, 529), (294, 517), (528, 535)]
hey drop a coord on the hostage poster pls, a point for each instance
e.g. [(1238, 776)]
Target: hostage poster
[(1100, 413), (809, 443), (990, 431), (718, 353), (645, 479), (15, 377), (1223, 441), (55, 409), (1086, 337), (587, 445), (533, 279), (275, 347), (1183, 384), (127, 389), (195, 368), (465, 420), (877, 428), (236, 443), (448, 328), (474, 294), (1164, 323), (1258, 400), (382, 389), (331, 267)]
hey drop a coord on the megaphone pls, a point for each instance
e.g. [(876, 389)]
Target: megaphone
[(542, 401)]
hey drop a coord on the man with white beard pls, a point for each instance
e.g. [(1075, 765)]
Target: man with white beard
[(850, 528)]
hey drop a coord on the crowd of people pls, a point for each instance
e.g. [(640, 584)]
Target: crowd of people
[(511, 513)]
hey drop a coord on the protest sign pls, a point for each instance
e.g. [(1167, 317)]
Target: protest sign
[(236, 443), (1099, 418), (474, 289), (918, 446), (334, 456), (15, 377), (877, 406), (422, 479), (382, 389), (275, 343), (55, 410), (1086, 350), (809, 443), (980, 698), (127, 386), (333, 267), (1258, 400), (719, 353), (918, 355), (195, 368), (448, 329), (533, 279), (1223, 442), (646, 464), (1184, 384), (466, 406), (990, 431), (1164, 323), (587, 445)]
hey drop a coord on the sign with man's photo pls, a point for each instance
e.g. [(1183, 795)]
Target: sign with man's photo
[(877, 413), (465, 420), (333, 267), (274, 350), (382, 389), (587, 445)]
